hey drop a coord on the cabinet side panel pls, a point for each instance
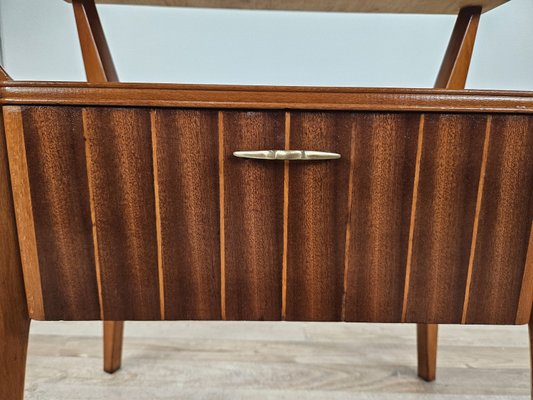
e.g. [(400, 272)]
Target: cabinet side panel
[(122, 183), (60, 200), (504, 223), (450, 169), (385, 147), (317, 217), (253, 215), (186, 149)]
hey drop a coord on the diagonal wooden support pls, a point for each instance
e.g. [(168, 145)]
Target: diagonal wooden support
[(99, 67), (452, 75), (14, 320)]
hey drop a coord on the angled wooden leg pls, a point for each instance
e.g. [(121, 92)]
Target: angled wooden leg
[(113, 337), (531, 351), (14, 320), (427, 335), (452, 75), (99, 67)]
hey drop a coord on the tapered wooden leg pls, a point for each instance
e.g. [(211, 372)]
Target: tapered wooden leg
[(427, 335), (452, 75), (531, 351), (14, 320), (113, 337), (99, 67)]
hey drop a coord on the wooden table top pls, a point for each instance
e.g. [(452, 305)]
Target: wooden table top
[(363, 6)]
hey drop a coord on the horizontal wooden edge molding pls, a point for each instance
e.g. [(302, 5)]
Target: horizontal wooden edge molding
[(361, 6), (263, 97)]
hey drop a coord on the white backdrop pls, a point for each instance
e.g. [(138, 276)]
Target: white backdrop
[(39, 41)]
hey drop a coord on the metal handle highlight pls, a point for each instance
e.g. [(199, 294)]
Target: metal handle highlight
[(293, 155)]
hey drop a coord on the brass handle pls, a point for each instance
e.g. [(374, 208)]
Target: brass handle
[(293, 155)]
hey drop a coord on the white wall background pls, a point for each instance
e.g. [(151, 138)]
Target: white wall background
[(39, 42)]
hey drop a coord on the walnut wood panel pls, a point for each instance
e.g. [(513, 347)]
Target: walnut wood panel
[(504, 223), (317, 217), (265, 97), (383, 169), (366, 6), (186, 150), (444, 216), (253, 216), (121, 178), (55, 153)]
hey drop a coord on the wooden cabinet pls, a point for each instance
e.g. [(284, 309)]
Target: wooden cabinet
[(143, 213)]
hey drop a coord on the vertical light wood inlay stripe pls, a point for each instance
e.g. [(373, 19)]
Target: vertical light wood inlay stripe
[(348, 222), (524, 311), (20, 184), (93, 213), (221, 206), (476, 218), (413, 217), (285, 217), (153, 128)]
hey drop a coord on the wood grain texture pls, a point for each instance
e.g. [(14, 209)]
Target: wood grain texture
[(253, 214), (318, 197), (447, 193), (366, 6), (55, 154), (187, 166), (384, 169), (121, 177), (504, 224), (264, 97), (18, 169), (14, 319), (97, 58)]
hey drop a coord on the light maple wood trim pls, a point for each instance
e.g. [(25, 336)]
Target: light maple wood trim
[(23, 209), (525, 303), (348, 232), (479, 201), (363, 6), (454, 69), (160, 270), (97, 59), (285, 218), (88, 167), (222, 215), (412, 221), (265, 97)]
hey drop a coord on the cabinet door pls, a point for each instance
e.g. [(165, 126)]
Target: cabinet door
[(425, 218), (137, 213)]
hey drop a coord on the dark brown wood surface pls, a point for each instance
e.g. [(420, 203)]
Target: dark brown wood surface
[(401, 228), (60, 199), (503, 236), (317, 217), (264, 97), (186, 152), (383, 170), (119, 157), (444, 216), (253, 216)]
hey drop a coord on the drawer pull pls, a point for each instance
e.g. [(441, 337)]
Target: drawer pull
[(293, 155)]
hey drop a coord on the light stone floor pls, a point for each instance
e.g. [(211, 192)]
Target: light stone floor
[(248, 360)]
